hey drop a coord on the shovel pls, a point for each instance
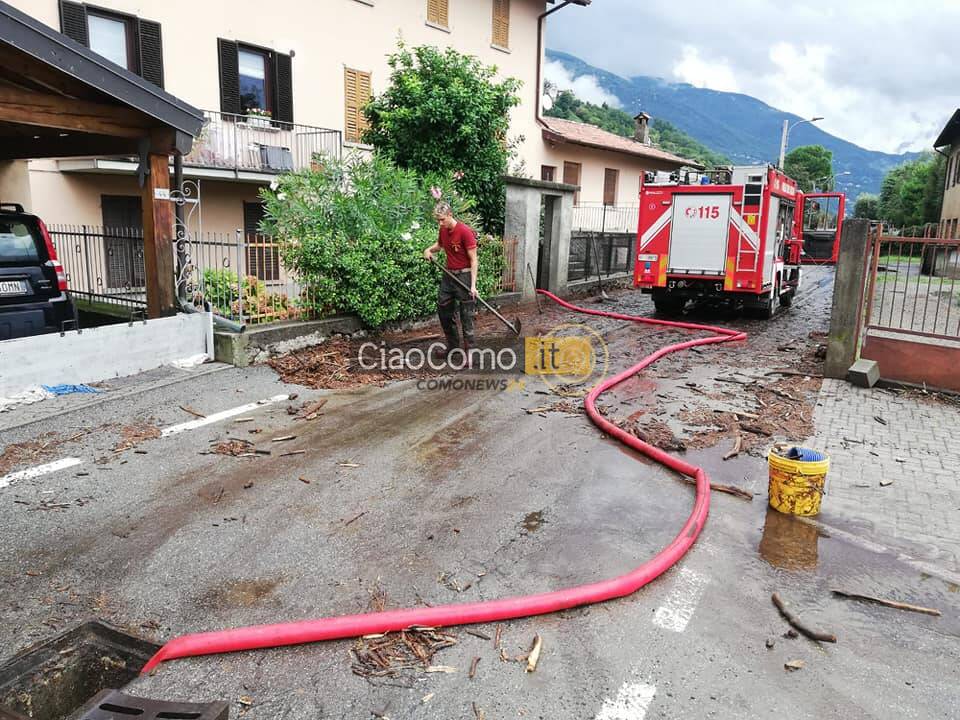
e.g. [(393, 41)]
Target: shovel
[(515, 325)]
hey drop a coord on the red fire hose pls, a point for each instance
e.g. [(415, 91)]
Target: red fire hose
[(347, 626)]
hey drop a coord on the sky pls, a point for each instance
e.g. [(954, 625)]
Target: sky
[(880, 73)]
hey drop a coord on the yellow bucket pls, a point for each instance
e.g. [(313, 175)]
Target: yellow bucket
[(796, 485)]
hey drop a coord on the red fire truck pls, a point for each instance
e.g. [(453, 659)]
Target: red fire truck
[(731, 238)]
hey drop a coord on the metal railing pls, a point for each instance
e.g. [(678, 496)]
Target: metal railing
[(597, 217), (913, 286), (610, 252), (253, 143), (102, 265)]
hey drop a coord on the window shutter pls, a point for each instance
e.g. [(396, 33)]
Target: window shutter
[(151, 51), (501, 23), (438, 12), (610, 186), (73, 22), (571, 176), (283, 87), (229, 76), (357, 89)]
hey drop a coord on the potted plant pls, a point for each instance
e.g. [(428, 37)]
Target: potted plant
[(258, 117)]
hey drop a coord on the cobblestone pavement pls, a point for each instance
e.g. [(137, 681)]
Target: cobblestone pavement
[(893, 472)]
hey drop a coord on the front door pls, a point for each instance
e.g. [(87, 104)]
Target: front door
[(123, 241)]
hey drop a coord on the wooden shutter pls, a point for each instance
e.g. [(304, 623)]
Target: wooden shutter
[(283, 87), (229, 76), (571, 176), (357, 91), (610, 177), (501, 23), (263, 260), (150, 47), (73, 22), (438, 12)]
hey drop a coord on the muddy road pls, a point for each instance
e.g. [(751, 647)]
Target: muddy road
[(394, 496)]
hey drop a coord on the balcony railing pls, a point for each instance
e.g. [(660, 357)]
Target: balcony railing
[(257, 144)]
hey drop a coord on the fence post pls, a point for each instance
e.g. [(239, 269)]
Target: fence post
[(241, 272), (86, 256), (846, 317)]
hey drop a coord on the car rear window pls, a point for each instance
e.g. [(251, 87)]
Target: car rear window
[(17, 242)]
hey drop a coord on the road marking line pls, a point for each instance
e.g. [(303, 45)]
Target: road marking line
[(223, 415), (38, 470), (680, 605), (631, 702)]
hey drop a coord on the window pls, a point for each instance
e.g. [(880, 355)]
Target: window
[(130, 42), (548, 173), (956, 169), (17, 242), (610, 179), (253, 77), (501, 23), (571, 176), (263, 260), (438, 13), (356, 96), (253, 67)]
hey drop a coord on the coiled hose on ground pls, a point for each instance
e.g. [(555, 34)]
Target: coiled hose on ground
[(348, 626)]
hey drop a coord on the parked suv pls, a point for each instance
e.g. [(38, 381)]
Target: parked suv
[(33, 285)]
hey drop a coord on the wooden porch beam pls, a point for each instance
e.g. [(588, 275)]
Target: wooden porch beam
[(158, 236), (26, 107)]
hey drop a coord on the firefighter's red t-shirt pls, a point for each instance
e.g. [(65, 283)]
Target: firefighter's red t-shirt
[(455, 244)]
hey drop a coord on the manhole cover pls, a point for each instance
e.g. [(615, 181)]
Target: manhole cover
[(53, 679)]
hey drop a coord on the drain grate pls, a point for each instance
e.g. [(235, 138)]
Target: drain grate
[(114, 705), (53, 679)]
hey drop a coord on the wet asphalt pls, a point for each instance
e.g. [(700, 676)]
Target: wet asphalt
[(432, 497)]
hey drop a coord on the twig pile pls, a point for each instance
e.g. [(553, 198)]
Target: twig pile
[(399, 654)]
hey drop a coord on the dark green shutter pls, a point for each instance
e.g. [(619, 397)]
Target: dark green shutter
[(151, 51), (283, 87), (73, 22), (229, 76)]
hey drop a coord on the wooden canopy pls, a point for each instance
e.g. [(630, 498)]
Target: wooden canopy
[(60, 99)]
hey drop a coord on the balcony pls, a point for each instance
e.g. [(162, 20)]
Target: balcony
[(237, 147)]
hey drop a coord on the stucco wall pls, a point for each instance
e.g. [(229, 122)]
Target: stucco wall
[(950, 214)]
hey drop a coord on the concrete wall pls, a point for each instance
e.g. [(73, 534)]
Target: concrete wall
[(15, 183), (950, 213)]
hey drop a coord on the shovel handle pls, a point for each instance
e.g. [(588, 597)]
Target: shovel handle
[(483, 302)]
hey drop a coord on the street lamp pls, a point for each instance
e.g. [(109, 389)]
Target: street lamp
[(787, 127), (829, 177)]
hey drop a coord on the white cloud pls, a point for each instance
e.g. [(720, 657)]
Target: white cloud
[(715, 74), (584, 87)]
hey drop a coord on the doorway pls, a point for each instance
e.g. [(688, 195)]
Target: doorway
[(123, 241), (545, 258)]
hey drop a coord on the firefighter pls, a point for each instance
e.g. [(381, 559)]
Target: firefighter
[(459, 244)]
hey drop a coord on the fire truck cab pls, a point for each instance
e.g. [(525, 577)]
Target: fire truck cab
[(726, 237)]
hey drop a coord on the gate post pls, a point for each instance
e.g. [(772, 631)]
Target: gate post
[(158, 238), (850, 281)]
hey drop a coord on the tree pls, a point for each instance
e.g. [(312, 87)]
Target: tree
[(810, 165), (867, 206), (911, 193), (445, 112)]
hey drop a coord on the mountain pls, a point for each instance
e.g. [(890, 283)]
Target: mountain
[(741, 127)]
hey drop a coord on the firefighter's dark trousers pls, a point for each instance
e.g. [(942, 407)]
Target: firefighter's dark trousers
[(450, 296)]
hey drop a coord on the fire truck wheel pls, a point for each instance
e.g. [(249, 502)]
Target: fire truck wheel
[(668, 305), (787, 298)]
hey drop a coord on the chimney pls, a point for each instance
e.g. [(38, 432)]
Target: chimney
[(642, 132)]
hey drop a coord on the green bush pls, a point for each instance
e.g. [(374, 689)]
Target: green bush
[(354, 232), (221, 289)]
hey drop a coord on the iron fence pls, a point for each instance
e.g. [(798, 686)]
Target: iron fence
[(593, 252), (597, 217), (258, 144), (913, 286)]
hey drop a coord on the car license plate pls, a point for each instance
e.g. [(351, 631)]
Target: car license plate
[(13, 287)]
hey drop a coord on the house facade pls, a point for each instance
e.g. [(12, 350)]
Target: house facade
[(278, 88), (948, 143)]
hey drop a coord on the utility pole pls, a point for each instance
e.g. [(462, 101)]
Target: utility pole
[(787, 127)]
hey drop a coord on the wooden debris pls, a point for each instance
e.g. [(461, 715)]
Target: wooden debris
[(191, 411), (794, 373), (792, 665), (348, 464), (727, 489), (534, 657), (398, 654), (499, 634), (756, 430), (477, 633), (737, 445), (354, 518), (427, 698), (245, 700), (244, 420), (293, 452), (879, 419), (473, 668), (311, 411), (284, 438), (304, 480), (477, 712), (799, 626), (440, 669), (888, 603)]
